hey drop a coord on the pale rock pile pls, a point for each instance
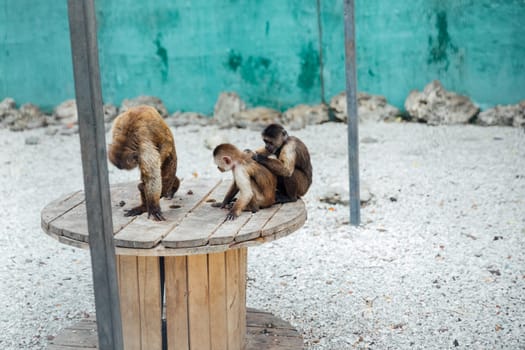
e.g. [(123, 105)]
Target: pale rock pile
[(509, 115), (436, 106), (369, 108)]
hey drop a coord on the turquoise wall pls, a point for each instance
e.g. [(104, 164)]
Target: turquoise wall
[(187, 52)]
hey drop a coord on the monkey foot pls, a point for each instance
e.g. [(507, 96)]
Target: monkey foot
[(135, 211), (156, 214)]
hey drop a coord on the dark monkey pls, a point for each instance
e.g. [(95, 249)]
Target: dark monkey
[(142, 138), (292, 164)]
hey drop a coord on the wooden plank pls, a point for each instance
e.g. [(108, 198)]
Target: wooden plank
[(89, 105), (243, 276), (73, 224), (199, 316), (227, 231), (233, 299), (218, 316), (253, 228), (177, 302), (195, 229), (129, 301), (86, 338), (284, 217), (145, 233), (150, 306), (123, 196), (264, 332), (59, 207)]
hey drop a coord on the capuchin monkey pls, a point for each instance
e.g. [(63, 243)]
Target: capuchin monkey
[(254, 183), (288, 158), (142, 138)]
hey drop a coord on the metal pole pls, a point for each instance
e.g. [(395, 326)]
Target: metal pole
[(351, 103), (83, 33)]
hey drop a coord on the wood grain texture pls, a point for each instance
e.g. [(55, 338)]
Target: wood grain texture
[(217, 297), (199, 316), (139, 287), (145, 233), (234, 297), (193, 226), (149, 301), (264, 331), (129, 305), (177, 323)]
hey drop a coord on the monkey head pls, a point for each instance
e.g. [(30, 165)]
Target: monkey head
[(274, 136), (123, 156), (224, 155)]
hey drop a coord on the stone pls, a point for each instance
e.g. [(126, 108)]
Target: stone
[(110, 113), (178, 119), (144, 100), (257, 118), (369, 108), (437, 106), (66, 112), (7, 104), (214, 140), (508, 115), (8, 112), (30, 117), (338, 193), (228, 103), (302, 115)]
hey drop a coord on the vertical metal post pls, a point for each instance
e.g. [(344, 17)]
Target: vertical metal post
[(83, 33), (351, 103)]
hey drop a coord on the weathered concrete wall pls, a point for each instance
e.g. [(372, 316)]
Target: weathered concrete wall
[(268, 51)]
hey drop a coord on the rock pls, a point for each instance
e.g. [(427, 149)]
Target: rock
[(228, 103), (30, 117), (257, 118), (144, 100), (187, 118), (110, 113), (437, 106), (214, 140), (369, 108), (7, 104), (32, 140), (66, 112), (8, 112), (338, 193), (302, 115), (510, 115)]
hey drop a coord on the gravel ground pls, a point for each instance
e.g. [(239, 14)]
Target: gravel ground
[(438, 262)]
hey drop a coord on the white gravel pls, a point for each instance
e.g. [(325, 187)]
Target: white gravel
[(438, 263)]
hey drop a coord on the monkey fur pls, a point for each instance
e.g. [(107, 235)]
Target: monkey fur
[(291, 164), (142, 138), (254, 183)]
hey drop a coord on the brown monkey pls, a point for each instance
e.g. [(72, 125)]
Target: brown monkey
[(141, 137), (254, 183), (292, 165)]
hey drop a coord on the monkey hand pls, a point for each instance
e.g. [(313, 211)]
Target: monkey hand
[(250, 152), (259, 158), (156, 214), (231, 216)]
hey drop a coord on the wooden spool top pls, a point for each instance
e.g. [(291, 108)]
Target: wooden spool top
[(192, 225)]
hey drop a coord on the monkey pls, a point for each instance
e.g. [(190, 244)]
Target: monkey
[(288, 158), (254, 183), (142, 138)]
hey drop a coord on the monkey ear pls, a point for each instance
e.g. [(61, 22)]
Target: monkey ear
[(227, 160)]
